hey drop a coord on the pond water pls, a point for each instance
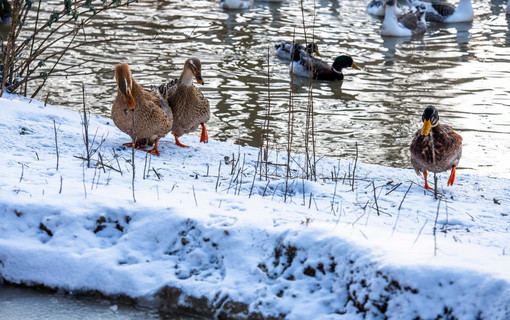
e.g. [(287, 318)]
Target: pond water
[(463, 69), (20, 303)]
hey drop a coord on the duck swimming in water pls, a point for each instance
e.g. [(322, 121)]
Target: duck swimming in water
[(307, 66), (285, 49)]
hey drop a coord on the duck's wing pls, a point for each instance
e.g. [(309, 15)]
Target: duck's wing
[(163, 92), (320, 69), (444, 9), (409, 20)]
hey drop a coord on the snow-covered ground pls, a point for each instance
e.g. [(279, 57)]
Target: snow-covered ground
[(205, 234)]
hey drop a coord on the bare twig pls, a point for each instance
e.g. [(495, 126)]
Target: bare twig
[(419, 232), (85, 127), (375, 199), (56, 142), (401, 202), (435, 227), (194, 195), (355, 164)]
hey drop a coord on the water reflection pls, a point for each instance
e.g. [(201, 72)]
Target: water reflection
[(460, 68)]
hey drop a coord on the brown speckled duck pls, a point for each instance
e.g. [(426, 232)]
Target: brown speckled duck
[(189, 106), (151, 120), (435, 147)]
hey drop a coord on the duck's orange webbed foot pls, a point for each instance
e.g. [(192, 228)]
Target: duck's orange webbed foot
[(204, 137), (177, 142), (154, 150), (452, 176), (426, 183), (137, 146)]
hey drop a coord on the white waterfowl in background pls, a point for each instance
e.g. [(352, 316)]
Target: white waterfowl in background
[(447, 12), (376, 8), (413, 23), (236, 4)]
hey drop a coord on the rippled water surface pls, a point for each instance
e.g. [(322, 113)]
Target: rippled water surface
[(462, 69)]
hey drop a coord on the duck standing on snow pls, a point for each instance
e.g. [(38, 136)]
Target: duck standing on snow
[(376, 8), (151, 121), (435, 147), (189, 106), (285, 49), (447, 12), (305, 65), (412, 23), (235, 4)]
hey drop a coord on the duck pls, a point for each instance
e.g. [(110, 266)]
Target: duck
[(236, 4), (412, 23), (5, 12), (377, 8), (447, 12), (285, 49), (188, 105), (305, 65), (151, 121), (436, 147)]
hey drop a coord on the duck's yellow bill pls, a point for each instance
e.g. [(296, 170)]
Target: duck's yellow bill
[(199, 79), (353, 65), (426, 128), (317, 53), (130, 101)]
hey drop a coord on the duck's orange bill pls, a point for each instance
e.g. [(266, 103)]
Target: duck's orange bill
[(199, 79), (130, 101), (426, 128), (353, 65)]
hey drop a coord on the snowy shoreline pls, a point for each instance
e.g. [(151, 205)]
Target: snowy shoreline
[(228, 245)]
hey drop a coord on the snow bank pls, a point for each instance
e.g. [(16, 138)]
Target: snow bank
[(205, 235)]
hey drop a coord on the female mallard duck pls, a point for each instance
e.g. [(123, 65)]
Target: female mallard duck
[(305, 65), (447, 12), (151, 122), (435, 147), (412, 23), (376, 8), (189, 106), (236, 4), (285, 49)]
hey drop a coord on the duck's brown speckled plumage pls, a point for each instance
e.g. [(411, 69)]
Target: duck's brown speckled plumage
[(151, 121), (189, 106), (437, 150), (447, 147)]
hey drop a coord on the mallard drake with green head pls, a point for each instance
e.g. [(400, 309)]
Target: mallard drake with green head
[(436, 147), (307, 66), (189, 106), (151, 122)]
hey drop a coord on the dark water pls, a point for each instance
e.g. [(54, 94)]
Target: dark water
[(19, 303), (463, 69)]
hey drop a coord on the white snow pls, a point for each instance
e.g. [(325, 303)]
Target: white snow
[(321, 253)]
